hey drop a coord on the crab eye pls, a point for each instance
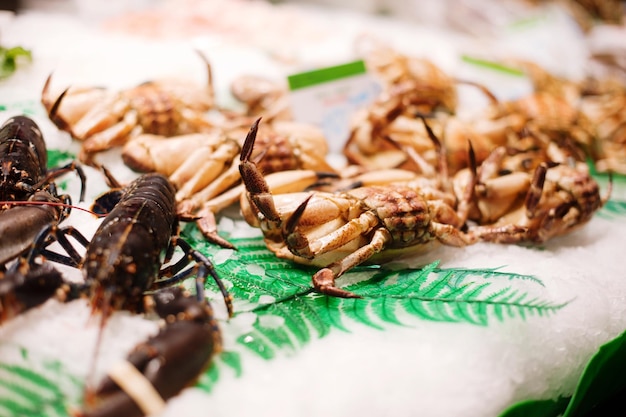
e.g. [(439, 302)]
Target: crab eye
[(527, 163)]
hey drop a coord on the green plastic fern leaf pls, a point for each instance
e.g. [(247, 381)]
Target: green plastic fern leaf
[(289, 314)]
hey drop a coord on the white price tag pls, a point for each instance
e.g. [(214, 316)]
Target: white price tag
[(328, 97)]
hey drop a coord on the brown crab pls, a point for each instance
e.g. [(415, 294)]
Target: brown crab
[(561, 198), (203, 166), (425, 84), (604, 104), (102, 119), (514, 176), (338, 230), (504, 178), (595, 113), (388, 133), (262, 96)]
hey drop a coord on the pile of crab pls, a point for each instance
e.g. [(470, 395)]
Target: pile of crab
[(417, 174)]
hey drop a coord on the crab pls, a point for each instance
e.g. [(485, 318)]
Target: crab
[(504, 178), (537, 184), (560, 199), (390, 135), (587, 13), (428, 86), (203, 166), (545, 81), (262, 96), (595, 113), (339, 230), (585, 116), (551, 115), (386, 133), (605, 107), (101, 118)]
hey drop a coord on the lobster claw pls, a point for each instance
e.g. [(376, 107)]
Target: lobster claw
[(161, 367), (26, 286)]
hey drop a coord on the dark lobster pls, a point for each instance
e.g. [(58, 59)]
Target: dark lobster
[(123, 262), (24, 177)]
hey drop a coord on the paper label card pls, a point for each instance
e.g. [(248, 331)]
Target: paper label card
[(328, 97)]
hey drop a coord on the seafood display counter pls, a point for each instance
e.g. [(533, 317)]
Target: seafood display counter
[(374, 216)]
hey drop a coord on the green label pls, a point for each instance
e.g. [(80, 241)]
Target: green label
[(319, 76), (492, 65)]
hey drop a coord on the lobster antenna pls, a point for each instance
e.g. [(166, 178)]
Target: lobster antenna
[(47, 203), (105, 313)]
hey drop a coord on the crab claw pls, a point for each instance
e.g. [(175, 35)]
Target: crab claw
[(297, 242), (536, 189), (208, 226), (324, 279), (258, 190), (71, 105), (324, 282)]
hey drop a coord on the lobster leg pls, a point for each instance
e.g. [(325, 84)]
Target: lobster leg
[(202, 269), (57, 172), (159, 368), (52, 233)]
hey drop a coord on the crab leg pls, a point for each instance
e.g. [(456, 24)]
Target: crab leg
[(148, 152), (256, 187), (209, 173), (512, 233), (536, 189), (509, 233), (213, 189), (106, 113), (324, 279), (83, 100), (496, 194)]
